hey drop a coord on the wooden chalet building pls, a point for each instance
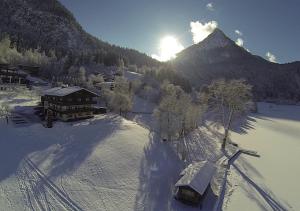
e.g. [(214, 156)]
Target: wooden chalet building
[(69, 103), (11, 77)]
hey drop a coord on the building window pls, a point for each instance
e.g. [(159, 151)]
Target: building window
[(79, 99)]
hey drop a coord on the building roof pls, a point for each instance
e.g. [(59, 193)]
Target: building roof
[(197, 176), (64, 91)]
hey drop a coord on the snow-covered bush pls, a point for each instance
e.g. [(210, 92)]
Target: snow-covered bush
[(121, 103), (121, 99), (176, 114), (9, 54)]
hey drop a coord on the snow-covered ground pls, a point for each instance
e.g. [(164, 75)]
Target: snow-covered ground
[(107, 163), (270, 182), (104, 163), (110, 163)]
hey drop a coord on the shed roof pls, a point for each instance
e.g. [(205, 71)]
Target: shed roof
[(64, 91), (197, 176)]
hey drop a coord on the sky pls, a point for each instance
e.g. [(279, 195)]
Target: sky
[(268, 28)]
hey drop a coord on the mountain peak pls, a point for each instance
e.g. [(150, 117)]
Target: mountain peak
[(218, 32), (217, 39)]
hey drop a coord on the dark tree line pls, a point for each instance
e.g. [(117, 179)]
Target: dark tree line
[(49, 26)]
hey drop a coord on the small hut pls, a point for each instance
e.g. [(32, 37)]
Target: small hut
[(194, 182)]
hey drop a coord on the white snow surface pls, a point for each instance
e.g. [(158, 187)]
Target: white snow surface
[(109, 163), (104, 163), (270, 182)]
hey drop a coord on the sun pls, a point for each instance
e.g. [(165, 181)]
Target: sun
[(168, 48)]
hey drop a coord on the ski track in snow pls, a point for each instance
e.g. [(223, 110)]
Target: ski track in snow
[(40, 193), (105, 163)]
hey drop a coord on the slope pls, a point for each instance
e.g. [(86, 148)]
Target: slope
[(219, 57), (50, 26)]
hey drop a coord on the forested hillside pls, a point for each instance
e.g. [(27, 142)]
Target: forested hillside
[(219, 57), (48, 26)]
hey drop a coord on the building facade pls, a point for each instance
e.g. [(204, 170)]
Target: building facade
[(69, 103), (12, 77)]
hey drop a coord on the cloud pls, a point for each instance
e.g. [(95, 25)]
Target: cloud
[(201, 30), (238, 32), (168, 48), (239, 42), (210, 7), (271, 57)]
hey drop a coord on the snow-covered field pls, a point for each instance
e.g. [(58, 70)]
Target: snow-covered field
[(104, 163), (110, 163), (270, 182), (107, 163)]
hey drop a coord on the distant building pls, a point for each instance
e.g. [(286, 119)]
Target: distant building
[(69, 103), (11, 77), (194, 182), (32, 70)]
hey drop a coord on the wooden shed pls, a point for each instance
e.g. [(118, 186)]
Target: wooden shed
[(194, 182)]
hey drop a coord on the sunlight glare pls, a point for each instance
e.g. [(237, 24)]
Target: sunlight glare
[(168, 48)]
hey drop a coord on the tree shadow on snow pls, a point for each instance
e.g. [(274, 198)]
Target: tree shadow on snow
[(13, 148), (267, 112), (79, 143), (67, 144), (203, 144), (160, 169), (266, 194)]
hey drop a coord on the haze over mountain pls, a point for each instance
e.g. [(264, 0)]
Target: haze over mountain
[(217, 56), (49, 25)]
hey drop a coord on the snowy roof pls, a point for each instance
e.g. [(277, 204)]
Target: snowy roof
[(63, 91), (197, 176)]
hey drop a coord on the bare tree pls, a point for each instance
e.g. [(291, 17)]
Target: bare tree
[(229, 98)]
